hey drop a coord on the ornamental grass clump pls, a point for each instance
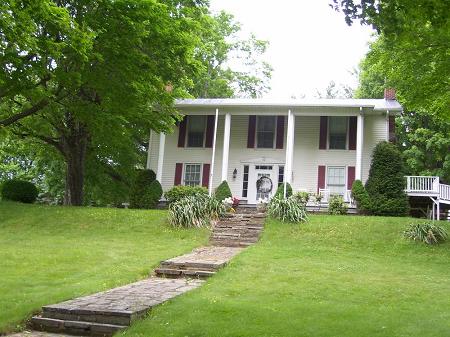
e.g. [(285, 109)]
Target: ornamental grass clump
[(195, 211), (287, 210), (426, 232)]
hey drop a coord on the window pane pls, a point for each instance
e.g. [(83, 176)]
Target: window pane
[(265, 132), (196, 131), (192, 174), (336, 180), (338, 133)]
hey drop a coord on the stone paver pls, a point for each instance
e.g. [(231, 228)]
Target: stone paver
[(37, 334), (132, 298), (214, 257)]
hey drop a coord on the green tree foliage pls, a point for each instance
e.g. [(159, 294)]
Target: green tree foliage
[(423, 137), (413, 47), (386, 181), (223, 191), (19, 190), (230, 66), (89, 79)]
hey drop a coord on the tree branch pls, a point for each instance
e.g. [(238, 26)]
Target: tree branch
[(30, 111)]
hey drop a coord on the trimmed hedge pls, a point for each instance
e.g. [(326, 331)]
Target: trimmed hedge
[(223, 191), (179, 192), (139, 194), (280, 191), (19, 190), (152, 194), (386, 182), (361, 196)]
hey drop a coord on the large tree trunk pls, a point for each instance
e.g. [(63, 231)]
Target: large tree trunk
[(74, 148)]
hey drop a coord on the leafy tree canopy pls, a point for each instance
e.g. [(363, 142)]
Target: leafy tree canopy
[(413, 47)]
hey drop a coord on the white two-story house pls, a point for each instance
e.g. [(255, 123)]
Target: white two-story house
[(315, 145)]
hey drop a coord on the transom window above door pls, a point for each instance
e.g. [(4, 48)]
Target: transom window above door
[(337, 137), (265, 132), (192, 174), (196, 127), (336, 179)]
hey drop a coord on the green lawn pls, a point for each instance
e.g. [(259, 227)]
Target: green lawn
[(49, 254), (335, 276)]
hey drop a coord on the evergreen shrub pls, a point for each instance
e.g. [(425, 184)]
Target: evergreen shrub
[(223, 191), (19, 190)]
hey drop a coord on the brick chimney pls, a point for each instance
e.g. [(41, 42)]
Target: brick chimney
[(389, 93)]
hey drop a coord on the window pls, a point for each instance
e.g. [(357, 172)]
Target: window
[(336, 180), (192, 174), (337, 139), (265, 132), (245, 182), (196, 126), (280, 175)]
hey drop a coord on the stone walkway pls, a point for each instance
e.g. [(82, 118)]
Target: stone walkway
[(107, 312)]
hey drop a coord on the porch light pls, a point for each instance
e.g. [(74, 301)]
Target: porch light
[(234, 173)]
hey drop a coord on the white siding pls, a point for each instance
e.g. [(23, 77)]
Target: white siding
[(307, 155)]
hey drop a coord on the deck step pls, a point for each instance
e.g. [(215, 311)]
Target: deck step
[(80, 328)]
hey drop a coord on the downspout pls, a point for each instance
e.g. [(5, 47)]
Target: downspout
[(211, 174)]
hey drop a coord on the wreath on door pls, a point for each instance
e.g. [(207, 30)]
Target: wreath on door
[(264, 185)]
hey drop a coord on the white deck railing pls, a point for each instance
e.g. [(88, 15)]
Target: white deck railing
[(444, 191), (422, 185)]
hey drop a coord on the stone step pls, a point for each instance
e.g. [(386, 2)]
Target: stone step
[(228, 243), (74, 327), (177, 273)]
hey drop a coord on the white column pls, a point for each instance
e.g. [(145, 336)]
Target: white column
[(289, 149), (150, 139), (226, 146), (162, 143), (359, 146), (211, 171)]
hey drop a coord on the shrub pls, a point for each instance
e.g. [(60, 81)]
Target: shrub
[(195, 211), (280, 191), (336, 205), (19, 190), (386, 182), (361, 196), (302, 198), (178, 192), (287, 210), (139, 189), (426, 233), (222, 191), (152, 194)]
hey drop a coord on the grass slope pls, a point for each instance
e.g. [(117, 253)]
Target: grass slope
[(335, 276), (49, 254)]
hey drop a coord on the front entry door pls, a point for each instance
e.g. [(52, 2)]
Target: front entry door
[(262, 182)]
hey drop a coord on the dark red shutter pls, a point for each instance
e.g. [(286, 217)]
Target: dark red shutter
[(280, 132), (210, 121), (350, 177), (182, 132), (251, 132), (323, 132), (205, 177), (178, 173), (392, 129), (320, 177), (352, 127)]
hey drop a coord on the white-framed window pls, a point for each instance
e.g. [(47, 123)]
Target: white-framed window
[(192, 174), (336, 179), (265, 132), (337, 132), (196, 130)]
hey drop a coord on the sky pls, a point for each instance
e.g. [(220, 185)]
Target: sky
[(310, 43)]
